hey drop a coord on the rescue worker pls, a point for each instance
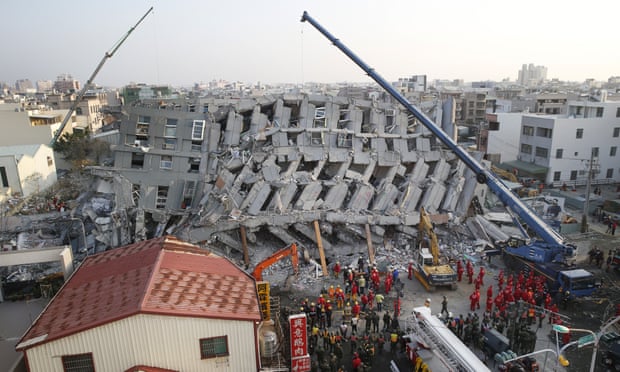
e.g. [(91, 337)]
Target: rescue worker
[(459, 270), (379, 298), (444, 305), (337, 269), (481, 275), (470, 272), (410, 270)]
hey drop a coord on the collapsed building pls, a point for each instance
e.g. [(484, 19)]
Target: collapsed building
[(280, 169)]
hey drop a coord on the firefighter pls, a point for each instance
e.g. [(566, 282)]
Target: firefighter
[(410, 270), (459, 270)]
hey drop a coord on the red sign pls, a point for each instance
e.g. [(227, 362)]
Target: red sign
[(300, 364), (299, 336)]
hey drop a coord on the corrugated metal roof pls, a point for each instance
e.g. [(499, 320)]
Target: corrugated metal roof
[(159, 276)]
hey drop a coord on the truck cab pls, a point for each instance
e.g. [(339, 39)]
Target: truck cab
[(578, 281)]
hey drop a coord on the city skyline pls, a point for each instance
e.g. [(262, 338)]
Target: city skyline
[(186, 42)]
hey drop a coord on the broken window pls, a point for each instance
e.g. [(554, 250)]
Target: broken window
[(142, 126), (345, 140), (319, 118), (165, 162), (189, 190), (198, 129), (196, 146), (136, 194), (194, 165), (170, 130), (169, 144), (162, 197), (137, 160)]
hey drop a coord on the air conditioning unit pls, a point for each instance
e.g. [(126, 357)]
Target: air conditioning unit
[(136, 143)]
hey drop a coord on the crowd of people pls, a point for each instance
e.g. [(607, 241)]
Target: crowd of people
[(353, 321), (365, 325)]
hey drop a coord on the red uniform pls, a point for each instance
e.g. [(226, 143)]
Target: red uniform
[(410, 271), (481, 275), (337, 269)]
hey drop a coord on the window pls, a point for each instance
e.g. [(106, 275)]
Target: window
[(50, 161), (573, 175), (137, 160), (557, 176), (162, 197), (5, 180), (599, 112), (595, 152), (559, 153), (165, 162), (196, 146), (526, 149), (527, 130), (618, 112), (544, 132), (170, 130), (213, 347), (542, 152), (198, 130), (142, 127), (616, 132), (194, 165), (610, 173), (169, 144), (579, 133), (136, 193), (78, 363), (612, 151)]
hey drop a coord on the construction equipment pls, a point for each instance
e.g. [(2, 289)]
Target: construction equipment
[(539, 254), (443, 350), (427, 265), (504, 174), (291, 250), (89, 82)]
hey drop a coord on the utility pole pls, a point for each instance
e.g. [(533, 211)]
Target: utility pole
[(586, 203)]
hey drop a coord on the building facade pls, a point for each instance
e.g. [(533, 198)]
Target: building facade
[(571, 146), (25, 170)]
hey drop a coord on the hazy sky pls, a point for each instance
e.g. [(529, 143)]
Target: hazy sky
[(189, 41)]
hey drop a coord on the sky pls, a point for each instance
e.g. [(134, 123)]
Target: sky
[(188, 41)]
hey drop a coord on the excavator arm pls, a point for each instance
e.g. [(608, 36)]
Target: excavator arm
[(291, 250), (426, 228)]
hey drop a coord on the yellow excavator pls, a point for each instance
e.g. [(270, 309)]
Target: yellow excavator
[(428, 266)]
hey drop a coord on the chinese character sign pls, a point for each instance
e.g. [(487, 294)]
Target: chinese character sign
[(299, 335)]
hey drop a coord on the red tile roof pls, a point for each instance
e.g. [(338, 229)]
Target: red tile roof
[(159, 276)]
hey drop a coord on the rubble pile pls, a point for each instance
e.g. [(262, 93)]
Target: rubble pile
[(277, 164)]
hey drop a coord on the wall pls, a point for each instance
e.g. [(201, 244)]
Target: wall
[(154, 340)]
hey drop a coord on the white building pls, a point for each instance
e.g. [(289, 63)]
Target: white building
[(565, 145), (26, 169), (503, 136), (157, 305)]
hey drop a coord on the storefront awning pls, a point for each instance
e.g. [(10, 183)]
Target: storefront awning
[(527, 168)]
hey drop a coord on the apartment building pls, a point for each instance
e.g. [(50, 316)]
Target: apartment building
[(473, 110), (568, 147)]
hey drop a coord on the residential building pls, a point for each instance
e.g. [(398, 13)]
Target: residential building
[(65, 83), (26, 169), (31, 125), (45, 86), (502, 135), (473, 108), (551, 103), (416, 83), (156, 305), (24, 86), (564, 149), (89, 111)]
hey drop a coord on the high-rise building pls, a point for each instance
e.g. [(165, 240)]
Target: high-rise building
[(531, 75), (44, 86), (23, 85)]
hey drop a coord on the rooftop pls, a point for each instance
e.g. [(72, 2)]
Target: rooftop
[(164, 276)]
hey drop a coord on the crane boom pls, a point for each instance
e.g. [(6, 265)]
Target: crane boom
[(483, 175), (89, 82)]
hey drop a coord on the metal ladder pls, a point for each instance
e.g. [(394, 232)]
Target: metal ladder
[(429, 336)]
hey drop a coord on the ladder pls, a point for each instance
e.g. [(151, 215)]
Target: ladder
[(429, 336)]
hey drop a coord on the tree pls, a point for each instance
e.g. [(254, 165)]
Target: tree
[(79, 148)]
